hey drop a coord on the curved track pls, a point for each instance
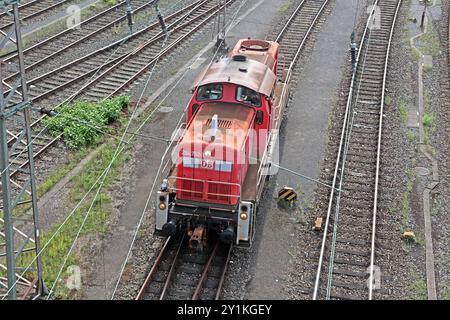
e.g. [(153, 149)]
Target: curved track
[(296, 32), (347, 257), (181, 273)]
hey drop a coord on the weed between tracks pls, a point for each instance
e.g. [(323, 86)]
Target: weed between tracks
[(418, 287)]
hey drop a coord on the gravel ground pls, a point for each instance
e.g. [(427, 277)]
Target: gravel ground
[(437, 82)]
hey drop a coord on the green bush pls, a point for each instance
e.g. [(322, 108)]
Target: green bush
[(110, 2), (83, 123), (428, 119)]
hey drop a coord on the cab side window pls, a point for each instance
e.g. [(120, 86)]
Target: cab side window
[(209, 92), (249, 96)]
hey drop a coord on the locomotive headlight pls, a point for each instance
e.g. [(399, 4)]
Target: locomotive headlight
[(207, 153), (244, 214), (162, 206)]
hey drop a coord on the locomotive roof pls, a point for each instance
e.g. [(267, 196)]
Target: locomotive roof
[(234, 121), (249, 73)]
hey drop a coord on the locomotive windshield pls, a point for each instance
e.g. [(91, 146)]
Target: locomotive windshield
[(210, 92), (247, 95)]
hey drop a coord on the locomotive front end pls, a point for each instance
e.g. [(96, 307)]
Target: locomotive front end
[(203, 191)]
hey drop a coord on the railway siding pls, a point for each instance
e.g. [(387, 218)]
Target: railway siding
[(348, 252)]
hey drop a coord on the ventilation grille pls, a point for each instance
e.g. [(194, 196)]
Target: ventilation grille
[(222, 124)]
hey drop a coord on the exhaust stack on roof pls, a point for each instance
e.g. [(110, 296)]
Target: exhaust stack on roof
[(214, 126)]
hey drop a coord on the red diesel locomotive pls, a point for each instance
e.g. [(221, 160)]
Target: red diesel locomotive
[(221, 161)]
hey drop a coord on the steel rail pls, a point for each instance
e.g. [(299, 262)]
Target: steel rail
[(380, 131), (336, 169), (344, 141), (288, 23), (154, 268), (92, 55)]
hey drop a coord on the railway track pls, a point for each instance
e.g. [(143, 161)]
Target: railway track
[(347, 263), (127, 61), (181, 273), (88, 32), (30, 10), (296, 32)]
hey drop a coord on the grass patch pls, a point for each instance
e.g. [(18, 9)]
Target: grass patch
[(388, 100), (418, 287), (83, 123), (428, 119), (402, 109)]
